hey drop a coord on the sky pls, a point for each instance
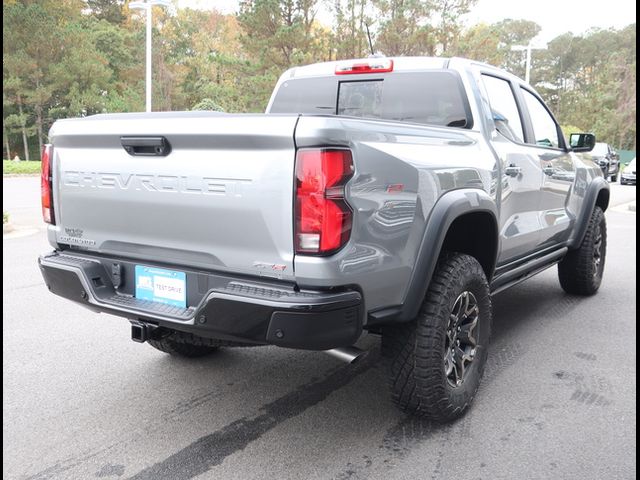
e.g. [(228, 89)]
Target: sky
[(554, 16), (557, 16)]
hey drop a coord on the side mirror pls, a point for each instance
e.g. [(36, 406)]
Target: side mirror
[(582, 142)]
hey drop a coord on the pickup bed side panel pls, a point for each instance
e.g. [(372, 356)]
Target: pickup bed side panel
[(400, 173)]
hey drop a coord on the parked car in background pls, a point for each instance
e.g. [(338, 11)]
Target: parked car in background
[(628, 174), (608, 159)]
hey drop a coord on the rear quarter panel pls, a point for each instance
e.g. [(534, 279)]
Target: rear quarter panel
[(400, 172)]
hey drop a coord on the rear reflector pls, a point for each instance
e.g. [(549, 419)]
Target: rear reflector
[(45, 185), (373, 65), (322, 215)]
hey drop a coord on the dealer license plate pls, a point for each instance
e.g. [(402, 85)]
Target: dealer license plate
[(161, 285)]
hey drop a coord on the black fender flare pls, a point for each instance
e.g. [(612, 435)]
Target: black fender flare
[(588, 204), (447, 209)]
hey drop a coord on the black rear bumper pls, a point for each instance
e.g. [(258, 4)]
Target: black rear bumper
[(219, 306)]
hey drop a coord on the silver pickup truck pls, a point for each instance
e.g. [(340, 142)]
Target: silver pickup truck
[(384, 195)]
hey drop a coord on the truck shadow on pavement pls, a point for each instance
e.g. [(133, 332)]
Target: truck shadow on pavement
[(212, 449), (514, 312), (511, 312), (536, 301)]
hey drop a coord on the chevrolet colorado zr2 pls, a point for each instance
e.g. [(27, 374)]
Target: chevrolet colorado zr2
[(385, 195)]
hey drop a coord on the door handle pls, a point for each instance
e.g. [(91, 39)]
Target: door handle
[(146, 146), (513, 170)]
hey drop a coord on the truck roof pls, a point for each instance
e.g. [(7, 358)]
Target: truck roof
[(400, 64)]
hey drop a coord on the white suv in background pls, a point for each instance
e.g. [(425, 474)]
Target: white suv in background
[(628, 174)]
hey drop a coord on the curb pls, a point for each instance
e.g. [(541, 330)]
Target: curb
[(628, 207), (13, 175)]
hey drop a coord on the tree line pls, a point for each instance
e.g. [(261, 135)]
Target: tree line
[(69, 58)]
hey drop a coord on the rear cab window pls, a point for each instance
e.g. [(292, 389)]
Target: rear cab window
[(435, 97)]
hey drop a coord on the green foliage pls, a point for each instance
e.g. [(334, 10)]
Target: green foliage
[(5, 217), (349, 31), (569, 129), (208, 104), (65, 58), (492, 43), (403, 29), (108, 10), (9, 167), (448, 15), (590, 82)]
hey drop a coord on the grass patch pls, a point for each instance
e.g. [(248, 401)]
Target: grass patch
[(20, 168), (5, 217)]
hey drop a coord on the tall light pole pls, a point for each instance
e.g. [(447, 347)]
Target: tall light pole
[(148, 6), (527, 48)]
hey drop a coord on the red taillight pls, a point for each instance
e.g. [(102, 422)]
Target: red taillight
[(323, 217), (373, 65), (45, 185)]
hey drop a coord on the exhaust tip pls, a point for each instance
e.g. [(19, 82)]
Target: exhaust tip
[(350, 355)]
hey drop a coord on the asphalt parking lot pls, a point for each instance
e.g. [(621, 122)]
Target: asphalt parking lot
[(81, 400)]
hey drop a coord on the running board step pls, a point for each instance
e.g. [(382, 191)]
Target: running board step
[(528, 270)]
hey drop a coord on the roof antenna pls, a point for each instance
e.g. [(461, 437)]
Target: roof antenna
[(373, 54)]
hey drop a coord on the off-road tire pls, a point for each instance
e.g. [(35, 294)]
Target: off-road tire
[(415, 351), (579, 272)]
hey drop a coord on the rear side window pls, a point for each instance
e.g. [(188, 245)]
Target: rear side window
[(545, 129), (503, 108), (432, 98)]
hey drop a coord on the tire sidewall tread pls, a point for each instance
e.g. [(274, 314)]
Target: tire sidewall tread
[(415, 350), (575, 271)]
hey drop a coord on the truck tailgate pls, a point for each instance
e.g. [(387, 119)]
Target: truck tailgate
[(221, 199)]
